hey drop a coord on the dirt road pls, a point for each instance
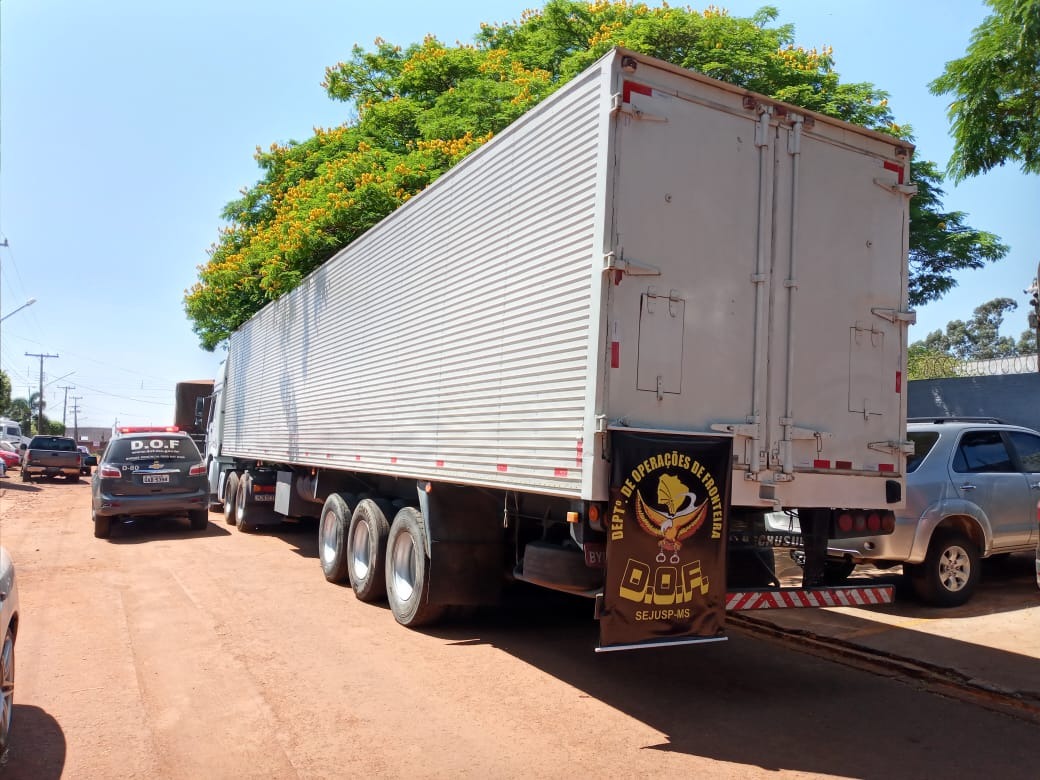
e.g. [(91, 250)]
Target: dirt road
[(163, 652)]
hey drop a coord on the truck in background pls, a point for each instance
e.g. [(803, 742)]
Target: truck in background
[(11, 430), (51, 456), (191, 409), (654, 306)]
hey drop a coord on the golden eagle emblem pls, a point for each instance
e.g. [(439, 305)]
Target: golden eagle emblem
[(681, 521)]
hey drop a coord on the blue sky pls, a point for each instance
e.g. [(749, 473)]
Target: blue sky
[(125, 126)]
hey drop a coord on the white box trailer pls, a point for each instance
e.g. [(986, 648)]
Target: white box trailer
[(647, 251)]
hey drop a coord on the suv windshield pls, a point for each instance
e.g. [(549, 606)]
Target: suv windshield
[(167, 449)]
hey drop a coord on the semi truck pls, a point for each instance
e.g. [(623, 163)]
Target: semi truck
[(654, 307), (191, 409)]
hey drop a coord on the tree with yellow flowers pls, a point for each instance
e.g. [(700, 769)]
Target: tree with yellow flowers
[(422, 108)]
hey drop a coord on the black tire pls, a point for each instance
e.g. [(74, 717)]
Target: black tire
[(6, 691), (366, 545), (73, 478), (837, 572), (333, 532), (408, 571), (199, 519), (102, 525), (230, 494), (950, 572), (243, 509), (559, 567), (25, 476)]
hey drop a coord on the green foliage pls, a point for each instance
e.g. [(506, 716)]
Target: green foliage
[(421, 109), (5, 394), (925, 363), (995, 113), (941, 242), (977, 339)]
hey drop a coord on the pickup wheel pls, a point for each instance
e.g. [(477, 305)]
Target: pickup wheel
[(230, 493), (73, 478), (367, 551), (333, 533), (199, 519), (836, 572), (102, 525), (408, 571), (950, 571), (26, 477)]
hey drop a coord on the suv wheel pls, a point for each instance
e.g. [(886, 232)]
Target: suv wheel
[(950, 571)]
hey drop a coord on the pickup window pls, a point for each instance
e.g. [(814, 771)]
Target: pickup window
[(53, 443)]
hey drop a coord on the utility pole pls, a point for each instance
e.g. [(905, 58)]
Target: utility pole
[(39, 408), (65, 405), (75, 416)]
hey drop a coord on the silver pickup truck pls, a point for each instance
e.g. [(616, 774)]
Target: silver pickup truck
[(51, 456)]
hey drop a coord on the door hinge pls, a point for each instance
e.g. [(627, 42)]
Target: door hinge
[(613, 262), (894, 315)]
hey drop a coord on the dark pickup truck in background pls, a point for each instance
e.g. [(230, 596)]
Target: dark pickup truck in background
[(51, 456)]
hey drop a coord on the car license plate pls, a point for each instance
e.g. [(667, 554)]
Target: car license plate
[(152, 479)]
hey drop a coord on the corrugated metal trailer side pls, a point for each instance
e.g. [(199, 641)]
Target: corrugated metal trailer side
[(453, 341)]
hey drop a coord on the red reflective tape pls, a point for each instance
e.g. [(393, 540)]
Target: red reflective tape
[(886, 467), (843, 464), (640, 89), (899, 381), (393, 459), (821, 464), (502, 467), (895, 167), (580, 450), (615, 354), (357, 457), (560, 472), (440, 464)]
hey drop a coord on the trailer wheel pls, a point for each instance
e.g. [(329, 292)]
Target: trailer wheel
[(243, 509), (332, 538), (230, 493), (950, 571), (367, 551), (408, 571)]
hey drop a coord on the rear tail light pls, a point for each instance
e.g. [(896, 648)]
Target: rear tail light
[(263, 488), (874, 522), (109, 472), (845, 522), (197, 470), (888, 522)]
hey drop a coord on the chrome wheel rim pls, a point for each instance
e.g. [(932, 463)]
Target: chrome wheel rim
[(402, 560), (7, 688), (954, 568), (360, 560), (328, 536)]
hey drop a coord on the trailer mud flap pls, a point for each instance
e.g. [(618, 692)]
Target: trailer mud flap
[(666, 552)]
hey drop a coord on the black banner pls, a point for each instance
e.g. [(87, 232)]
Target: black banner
[(666, 553)]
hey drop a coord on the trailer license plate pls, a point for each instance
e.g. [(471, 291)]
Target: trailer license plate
[(263, 497), (595, 555), (152, 479)]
